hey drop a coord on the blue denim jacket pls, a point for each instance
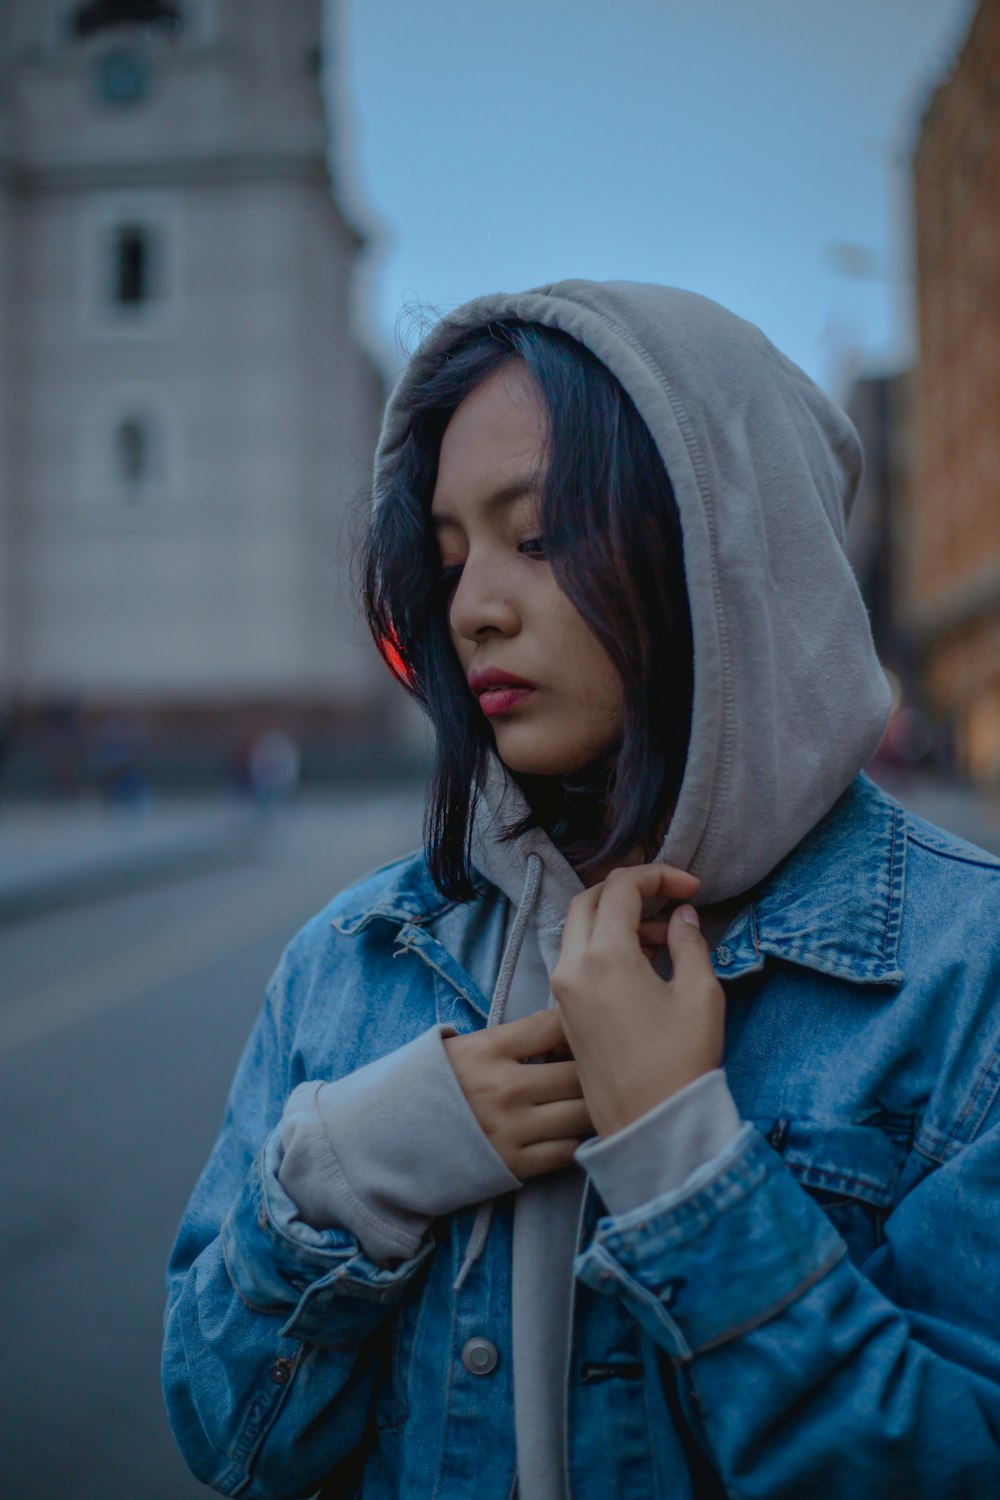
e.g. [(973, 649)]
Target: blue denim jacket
[(816, 1312)]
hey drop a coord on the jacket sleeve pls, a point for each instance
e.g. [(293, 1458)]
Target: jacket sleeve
[(387, 1149), (801, 1373), (271, 1350)]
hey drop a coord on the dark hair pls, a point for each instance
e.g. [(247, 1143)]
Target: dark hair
[(613, 539)]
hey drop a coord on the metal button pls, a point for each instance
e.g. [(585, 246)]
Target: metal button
[(480, 1357), (280, 1372)]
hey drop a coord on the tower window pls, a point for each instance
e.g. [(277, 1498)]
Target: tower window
[(132, 265), (129, 267), (132, 443), (130, 453), (136, 457), (100, 15)]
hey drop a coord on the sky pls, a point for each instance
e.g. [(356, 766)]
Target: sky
[(756, 151)]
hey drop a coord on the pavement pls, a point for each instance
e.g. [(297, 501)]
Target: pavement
[(62, 852)]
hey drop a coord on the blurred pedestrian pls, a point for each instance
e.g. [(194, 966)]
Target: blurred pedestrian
[(113, 752), (273, 767), (640, 1134)]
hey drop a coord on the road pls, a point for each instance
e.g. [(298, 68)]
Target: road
[(120, 1025)]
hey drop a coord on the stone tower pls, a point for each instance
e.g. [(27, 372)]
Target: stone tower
[(185, 413)]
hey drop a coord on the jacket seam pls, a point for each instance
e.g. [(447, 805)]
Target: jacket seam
[(982, 861), (892, 872), (987, 1082), (688, 1371), (274, 1312), (422, 915), (739, 1330)]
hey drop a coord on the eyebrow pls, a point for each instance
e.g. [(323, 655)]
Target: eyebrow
[(531, 484)]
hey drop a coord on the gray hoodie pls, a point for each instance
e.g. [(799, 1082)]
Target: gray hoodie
[(789, 704)]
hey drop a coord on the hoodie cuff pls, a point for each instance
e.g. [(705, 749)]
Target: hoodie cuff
[(659, 1151), (387, 1148)]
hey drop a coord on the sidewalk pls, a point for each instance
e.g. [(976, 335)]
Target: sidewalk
[(60, 853)]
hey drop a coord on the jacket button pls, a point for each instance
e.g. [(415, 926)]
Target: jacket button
[(280, 1372), (480, 1357)]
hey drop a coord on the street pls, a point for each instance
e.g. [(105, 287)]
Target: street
[(121, 1022)]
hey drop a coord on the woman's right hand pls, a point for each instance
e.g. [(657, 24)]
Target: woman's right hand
[(532, 1113)]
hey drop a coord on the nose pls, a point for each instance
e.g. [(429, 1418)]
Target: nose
[(481, 602)]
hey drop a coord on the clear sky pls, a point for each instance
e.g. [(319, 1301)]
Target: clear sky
[(753, 150)]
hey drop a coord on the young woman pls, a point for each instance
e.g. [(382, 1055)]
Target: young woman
[(640, 1135)]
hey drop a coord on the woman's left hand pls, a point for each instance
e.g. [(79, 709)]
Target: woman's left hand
[(637, 1038)]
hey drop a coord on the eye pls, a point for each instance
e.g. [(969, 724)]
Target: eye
[(536, 544), (449, 577)]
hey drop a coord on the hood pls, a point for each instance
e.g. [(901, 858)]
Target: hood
[(789, 698)]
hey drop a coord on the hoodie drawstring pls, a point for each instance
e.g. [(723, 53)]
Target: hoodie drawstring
[(498, 1007)]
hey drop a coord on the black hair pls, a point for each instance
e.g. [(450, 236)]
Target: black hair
[(613, 539)]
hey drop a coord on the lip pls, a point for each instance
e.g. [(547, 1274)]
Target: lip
[(492, 677), (498, 691)]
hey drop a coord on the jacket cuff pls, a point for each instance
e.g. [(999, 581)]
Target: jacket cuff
[(277, 1264), (386, 1149), (659, 1151), (704, 1265)]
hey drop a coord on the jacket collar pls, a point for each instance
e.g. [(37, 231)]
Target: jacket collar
[(834, 904), (408, 895)]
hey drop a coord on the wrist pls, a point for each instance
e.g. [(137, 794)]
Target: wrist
[(616, 1110)]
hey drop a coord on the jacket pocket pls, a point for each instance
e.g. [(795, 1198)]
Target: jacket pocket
[(850, 1170)]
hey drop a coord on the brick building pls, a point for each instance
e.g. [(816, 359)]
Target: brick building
[(951, 582)]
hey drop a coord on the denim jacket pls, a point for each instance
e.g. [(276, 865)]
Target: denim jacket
[(815, 1311)]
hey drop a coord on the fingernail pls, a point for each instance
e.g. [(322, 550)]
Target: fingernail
[(688, 914)]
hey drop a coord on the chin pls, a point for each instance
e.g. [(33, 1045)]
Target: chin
[(540, 759)]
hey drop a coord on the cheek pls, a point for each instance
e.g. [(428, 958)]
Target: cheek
[(588, 672)]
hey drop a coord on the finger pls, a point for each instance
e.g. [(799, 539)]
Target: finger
[(688, 950), (539, 1032), (544, 1156), (579, 921), (654, 932), (545, 1082), (627, 887), (557, 1122)]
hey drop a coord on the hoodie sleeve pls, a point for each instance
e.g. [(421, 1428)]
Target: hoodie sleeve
[(388, 1148), (657, 1153)]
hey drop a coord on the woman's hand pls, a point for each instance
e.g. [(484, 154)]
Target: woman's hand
[(637, 1039), (533, 1113)]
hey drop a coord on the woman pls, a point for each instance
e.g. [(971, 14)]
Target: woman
[(499, 1203)]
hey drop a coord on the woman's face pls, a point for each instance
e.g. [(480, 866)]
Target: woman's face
[(509, 620)]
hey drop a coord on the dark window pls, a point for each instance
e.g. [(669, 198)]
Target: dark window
[(132, 279), (132, 440), (101, 15)]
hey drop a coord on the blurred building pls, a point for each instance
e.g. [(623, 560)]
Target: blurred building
[(952, 583), (185, 413), (880, 407)]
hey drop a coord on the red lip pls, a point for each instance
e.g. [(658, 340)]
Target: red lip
[(492, 677)]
